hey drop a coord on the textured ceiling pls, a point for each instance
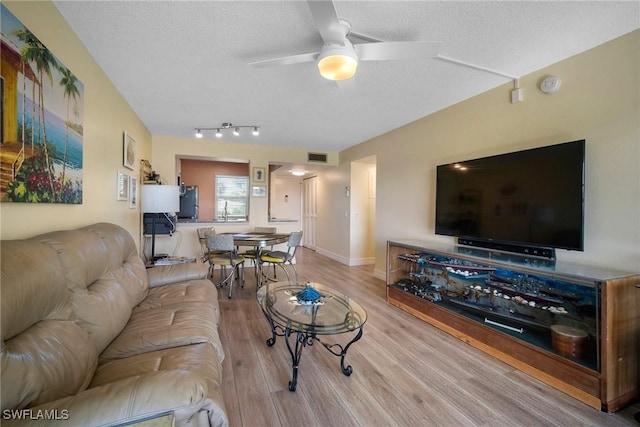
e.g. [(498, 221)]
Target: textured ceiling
[(183, 64)]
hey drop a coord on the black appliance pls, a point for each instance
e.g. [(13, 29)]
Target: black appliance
[(165, 224), (532, 197), (189, 202)]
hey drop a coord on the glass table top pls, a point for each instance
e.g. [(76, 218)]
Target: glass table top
[(334, 313)]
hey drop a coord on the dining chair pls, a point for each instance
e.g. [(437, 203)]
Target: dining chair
[(252, 254), (223, 253), (202, 232), (281, 258)]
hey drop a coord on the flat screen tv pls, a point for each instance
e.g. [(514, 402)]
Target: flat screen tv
[(532, 197)]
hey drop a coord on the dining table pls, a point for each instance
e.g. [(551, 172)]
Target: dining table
[(259, 241)]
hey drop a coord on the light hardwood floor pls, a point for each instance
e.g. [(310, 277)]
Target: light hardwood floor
[(405, 372)]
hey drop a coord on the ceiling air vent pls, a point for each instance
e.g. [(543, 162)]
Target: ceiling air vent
[(317, 157)]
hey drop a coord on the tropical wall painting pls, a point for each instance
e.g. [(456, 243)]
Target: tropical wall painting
[(41, 116)]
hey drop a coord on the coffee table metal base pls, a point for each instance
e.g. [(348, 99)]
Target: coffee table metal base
[(303, 339)]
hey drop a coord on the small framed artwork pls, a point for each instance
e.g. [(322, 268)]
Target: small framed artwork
[(133, 193), (129, 152), (259, 191), (123, 186), (259, 174)]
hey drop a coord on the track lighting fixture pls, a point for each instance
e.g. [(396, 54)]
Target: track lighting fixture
[(225, 126)]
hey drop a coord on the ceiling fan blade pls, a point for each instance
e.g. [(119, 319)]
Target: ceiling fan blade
[(327, 22), (286, 60), (390, 51)]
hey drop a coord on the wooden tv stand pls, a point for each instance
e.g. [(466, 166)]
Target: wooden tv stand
[(505, 304)]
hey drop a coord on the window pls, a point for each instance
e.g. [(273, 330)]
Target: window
[(232, 197)]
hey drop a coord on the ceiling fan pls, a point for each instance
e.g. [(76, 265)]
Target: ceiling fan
[(338, 58)]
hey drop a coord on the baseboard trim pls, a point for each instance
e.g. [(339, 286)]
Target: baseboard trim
[(380, 274), (344, 260)]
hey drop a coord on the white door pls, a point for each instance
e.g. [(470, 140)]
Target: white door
[(309, 212)]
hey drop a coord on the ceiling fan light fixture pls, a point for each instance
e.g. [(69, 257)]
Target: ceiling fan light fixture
[(337, 62)]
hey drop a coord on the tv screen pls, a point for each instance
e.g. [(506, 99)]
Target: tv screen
[(531, 197)]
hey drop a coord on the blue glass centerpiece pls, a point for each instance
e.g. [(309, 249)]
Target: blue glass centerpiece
[(309, 295)]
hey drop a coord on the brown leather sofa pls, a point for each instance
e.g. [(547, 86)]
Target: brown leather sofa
[(90, 337)]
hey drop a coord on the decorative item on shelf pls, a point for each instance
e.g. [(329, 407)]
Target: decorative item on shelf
[(309, 295), (226, 126), (152, 178), (158, 199)]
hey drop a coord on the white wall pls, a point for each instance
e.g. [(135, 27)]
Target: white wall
[(598, 101), (333, 223), (286, 198)]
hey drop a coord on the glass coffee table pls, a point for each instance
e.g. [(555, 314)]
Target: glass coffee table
[(334, 313)]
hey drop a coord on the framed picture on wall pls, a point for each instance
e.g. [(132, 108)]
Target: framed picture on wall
[(259, 191), (133, 193), (259, 174), (123, 186), (129, 152)]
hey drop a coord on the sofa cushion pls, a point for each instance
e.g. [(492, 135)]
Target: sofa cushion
[(117, 403), (195, 291), (44, 355), (166, 274), (48, 361), (105, 275), (198, 358), (165, 327)]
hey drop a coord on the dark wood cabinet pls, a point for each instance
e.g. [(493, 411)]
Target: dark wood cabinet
[(574, 327)]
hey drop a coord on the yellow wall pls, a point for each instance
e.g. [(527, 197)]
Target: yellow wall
[(598, 101), (106, 117)]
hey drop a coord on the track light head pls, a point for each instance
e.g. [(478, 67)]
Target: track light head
[(198, 133)]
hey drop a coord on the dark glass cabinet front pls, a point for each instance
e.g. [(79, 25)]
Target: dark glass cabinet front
[(572, 326)]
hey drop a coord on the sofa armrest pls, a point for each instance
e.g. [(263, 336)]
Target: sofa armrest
[(135, 398), (167, 274)]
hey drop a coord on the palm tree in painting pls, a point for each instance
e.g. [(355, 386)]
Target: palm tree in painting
[(34, 51), (68, 83)]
